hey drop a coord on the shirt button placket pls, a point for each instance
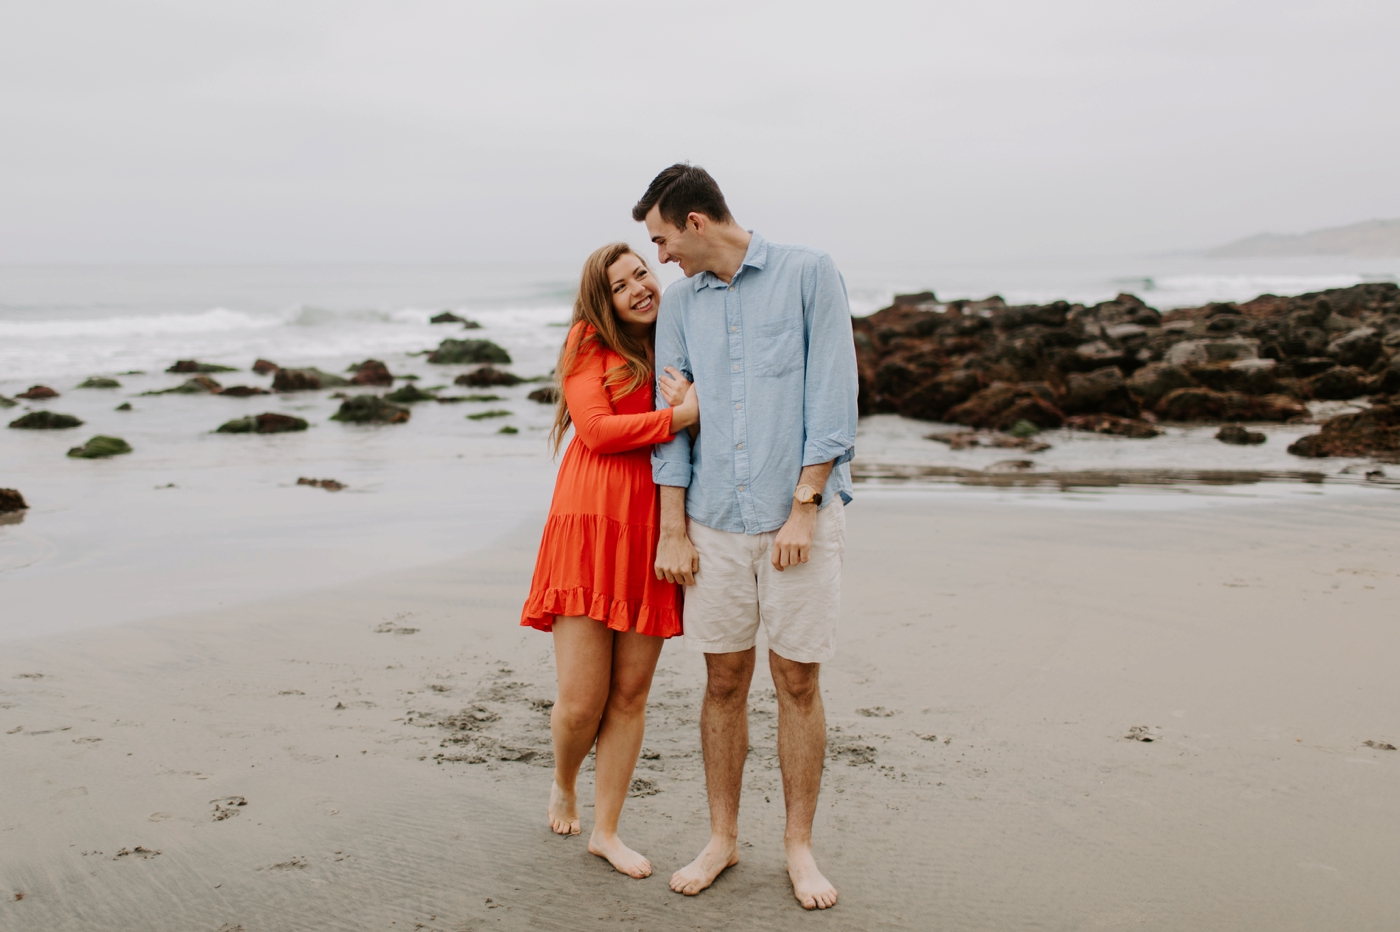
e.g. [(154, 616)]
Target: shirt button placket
[(734, 319)]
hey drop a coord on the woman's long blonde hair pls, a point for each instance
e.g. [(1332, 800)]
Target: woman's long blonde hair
[(594, 306)]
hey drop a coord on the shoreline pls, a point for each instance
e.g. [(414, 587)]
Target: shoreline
[(1258, 806)]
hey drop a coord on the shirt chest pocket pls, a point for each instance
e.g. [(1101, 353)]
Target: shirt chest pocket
[(778, 348)]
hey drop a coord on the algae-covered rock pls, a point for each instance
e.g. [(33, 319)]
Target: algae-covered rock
[(124, 406), (242, 391), (1239, 436), (99, 382), (409, 394), (191, 366), (1373, 432), (508, 430), (7, 402), (101, 446), (370, 409), (1113, 425), (486, 377), (330, 485), (301, 380), (45, 420), (266, 423), (38, 393), (11, 500), (483, 415), (265, 366), (469, 351), (200, 384)]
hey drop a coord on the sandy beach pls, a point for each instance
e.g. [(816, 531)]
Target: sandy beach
[(376, 755)]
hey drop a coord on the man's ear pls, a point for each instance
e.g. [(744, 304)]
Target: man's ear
[(697, 221)]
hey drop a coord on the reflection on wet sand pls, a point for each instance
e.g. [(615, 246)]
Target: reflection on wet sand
[(1023, 474)]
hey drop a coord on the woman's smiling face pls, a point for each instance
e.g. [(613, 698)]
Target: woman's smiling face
[(635, 292)]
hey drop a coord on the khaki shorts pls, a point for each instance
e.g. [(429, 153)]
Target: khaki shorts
[(737, 588)]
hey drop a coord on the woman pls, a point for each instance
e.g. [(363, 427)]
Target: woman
[(594, 584)]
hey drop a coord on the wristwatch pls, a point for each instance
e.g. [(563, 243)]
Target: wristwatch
[(806, 495)]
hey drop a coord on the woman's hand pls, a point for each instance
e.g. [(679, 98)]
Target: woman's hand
[(673, 386), (687, 413)]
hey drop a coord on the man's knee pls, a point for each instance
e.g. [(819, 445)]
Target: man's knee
[(728, 676), (796, 683)]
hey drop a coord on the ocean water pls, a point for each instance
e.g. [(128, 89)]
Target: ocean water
[(193, 518)]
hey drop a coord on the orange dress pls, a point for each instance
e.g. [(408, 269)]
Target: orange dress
[(599, 546)]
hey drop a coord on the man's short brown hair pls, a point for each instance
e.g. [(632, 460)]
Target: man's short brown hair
[(680, 190)]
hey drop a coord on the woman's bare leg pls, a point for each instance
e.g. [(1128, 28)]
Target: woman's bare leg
[(583, 652), (619, 742)]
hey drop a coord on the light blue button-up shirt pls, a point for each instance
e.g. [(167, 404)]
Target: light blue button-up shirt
[(774, 365)]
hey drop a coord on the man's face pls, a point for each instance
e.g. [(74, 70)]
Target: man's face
[(685, 247)]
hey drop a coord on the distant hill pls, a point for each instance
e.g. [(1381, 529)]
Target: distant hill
[(1374, 238)]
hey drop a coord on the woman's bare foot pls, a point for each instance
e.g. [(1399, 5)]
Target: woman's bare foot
[(812, 890), (619, 855), (718, 856), (563, 811)]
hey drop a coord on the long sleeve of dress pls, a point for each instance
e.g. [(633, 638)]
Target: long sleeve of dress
[(597, 423)]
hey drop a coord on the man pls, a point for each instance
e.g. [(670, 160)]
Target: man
[(764, 332)]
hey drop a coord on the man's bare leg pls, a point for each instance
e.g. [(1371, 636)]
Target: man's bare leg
[(583, 651), (724, 739), (619, 743), (802, 753)]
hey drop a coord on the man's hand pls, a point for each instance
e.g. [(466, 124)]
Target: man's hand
[(793, 544), (676, 559)]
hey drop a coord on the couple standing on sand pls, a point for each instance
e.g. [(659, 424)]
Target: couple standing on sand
[(751, 464)]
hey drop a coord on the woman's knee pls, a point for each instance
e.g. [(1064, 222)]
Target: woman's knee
[(577, 714)]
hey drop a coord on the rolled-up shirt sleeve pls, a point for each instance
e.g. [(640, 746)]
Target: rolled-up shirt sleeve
[(670, 461), (830, 413)]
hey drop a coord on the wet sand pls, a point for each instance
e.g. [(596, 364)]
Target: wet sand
[(376, 756)]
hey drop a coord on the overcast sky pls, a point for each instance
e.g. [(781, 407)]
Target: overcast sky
[(413, 130)]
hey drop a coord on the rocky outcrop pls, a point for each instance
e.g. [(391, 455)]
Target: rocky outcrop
[(265, 367), (370, 409), (1001, 405), (1239, 436), (409, 394), (192, 366), (99, 382), (38, 393), (11, 500), (486, 377), (303, 380), (99, 447), (45, 420), (266, 423), (1373, 432), (242, 391), (469, 351), (370, 372), (924, 358), (197, 385)]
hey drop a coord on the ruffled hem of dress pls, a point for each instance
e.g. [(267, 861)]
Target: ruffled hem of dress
[(618, 614)]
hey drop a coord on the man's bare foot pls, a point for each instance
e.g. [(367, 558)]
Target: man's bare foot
[(812, 890), (619, 855), (719, 855), (563, 811)]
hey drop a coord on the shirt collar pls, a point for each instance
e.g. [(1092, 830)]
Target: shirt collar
[(756, 257)]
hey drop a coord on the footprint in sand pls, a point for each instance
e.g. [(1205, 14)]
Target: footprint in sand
[(144, 854), (877, 711), (227, 807)]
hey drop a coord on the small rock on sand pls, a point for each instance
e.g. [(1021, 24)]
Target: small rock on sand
[(99, 382), (330, 485), (370, 409), (409, 394), (486, 377), (876, 711), (99, 447), (1146, 733), (45, 420), (7, 402), (189, 366), (265, 423), (265, 367), (483, 415), (447, 317), (38, 393), (11, 500), (124, 406), (1239, 436), (546, 396), (194, 386), (242, 391), (469, 351), (303, 380), (370, 372), (1379, 745)]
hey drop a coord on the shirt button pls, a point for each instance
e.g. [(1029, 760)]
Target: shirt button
[(741, 488), (736, 367), (741, 446), (731, 287), (733, 329), (737, 407)]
